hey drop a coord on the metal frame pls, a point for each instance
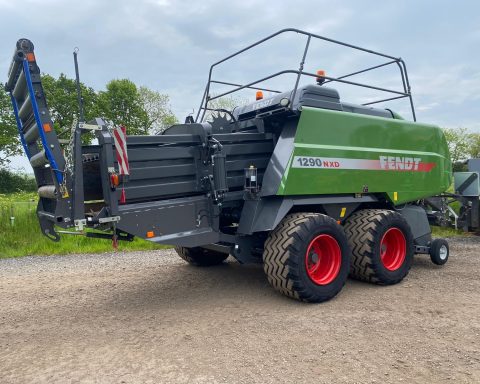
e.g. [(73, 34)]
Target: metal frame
[(38, 120), (19, 124), (22, 66), (406, 92)]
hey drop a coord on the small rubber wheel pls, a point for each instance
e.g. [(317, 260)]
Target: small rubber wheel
[(307, 257), (201, 257), (439, 251)]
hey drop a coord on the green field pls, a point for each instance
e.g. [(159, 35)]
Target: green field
[(21, 235)]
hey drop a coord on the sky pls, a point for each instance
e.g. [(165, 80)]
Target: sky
[(170, 45)]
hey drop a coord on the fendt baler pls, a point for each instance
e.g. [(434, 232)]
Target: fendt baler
[(313, 187)]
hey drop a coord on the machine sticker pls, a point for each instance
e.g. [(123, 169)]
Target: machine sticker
[(262, 104), (387, 163)]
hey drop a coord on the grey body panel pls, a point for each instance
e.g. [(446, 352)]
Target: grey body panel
[(310, 96), (265, 214), (200, 130), (185, 221), (417, 219), (176, 164), (190, 238), (474, 165), (172, 182), (467, 183), (279, 160)]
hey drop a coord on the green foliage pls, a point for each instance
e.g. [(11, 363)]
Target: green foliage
[(121, 103), (463, 145), (21, 236), (226, 102), (9, 141), (457, 139), (142, 110), (11, 182), (474, 148), (156, 113), (62, 101)]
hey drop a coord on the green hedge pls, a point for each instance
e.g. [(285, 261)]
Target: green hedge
[(12, 182)]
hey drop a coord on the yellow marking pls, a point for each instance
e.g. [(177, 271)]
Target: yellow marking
[(64, 191), (395, 196), (343, 212)]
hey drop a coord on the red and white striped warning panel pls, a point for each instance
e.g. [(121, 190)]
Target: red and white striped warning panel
[(384, 163), (120, 140)]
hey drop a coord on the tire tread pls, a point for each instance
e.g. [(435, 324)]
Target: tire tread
[(281, 255), (361, 229)]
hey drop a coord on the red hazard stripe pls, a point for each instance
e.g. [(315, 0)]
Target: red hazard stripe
[(120, 136), (122, 161)]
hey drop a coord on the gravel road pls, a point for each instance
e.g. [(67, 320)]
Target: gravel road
[(147, 317)]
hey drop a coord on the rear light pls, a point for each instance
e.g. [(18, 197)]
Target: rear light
[(114, 180)]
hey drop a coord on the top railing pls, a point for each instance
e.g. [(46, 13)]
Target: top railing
[(405, 92)]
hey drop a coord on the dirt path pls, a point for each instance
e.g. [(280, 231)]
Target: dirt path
[(147, 317)]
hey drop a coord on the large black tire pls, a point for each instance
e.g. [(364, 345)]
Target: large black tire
[(382, 246), (201, 257), (307, 257)]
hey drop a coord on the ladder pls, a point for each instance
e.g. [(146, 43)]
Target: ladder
[(38, 137)]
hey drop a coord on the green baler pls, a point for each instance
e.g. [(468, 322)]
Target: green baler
[(408, 161), (312, 187)]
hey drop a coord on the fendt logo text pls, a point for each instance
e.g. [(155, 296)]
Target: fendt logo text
[(400, 163)]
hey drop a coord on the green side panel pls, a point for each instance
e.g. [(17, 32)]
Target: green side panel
[(340, 152)]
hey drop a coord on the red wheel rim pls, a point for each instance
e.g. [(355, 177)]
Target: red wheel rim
[(393, 249), (323, 259)]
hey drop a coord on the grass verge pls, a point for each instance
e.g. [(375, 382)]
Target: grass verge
[(21, 236), (448, 232)]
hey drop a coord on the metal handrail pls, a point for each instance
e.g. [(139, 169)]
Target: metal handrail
[(392, 60), (287, 71)]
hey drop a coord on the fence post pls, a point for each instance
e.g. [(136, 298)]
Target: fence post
[(12, 217)]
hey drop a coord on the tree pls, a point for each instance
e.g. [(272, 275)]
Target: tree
[(9, 139), (458, 140), (121, 104), (142, 110), (474, 147), (156, 111), (226, 102), (62, 101)]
